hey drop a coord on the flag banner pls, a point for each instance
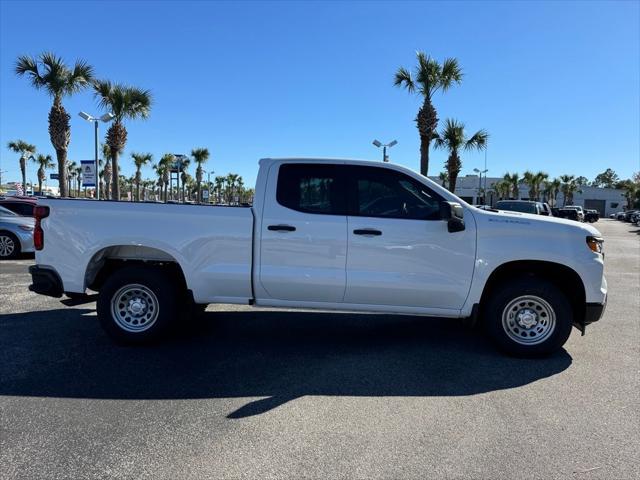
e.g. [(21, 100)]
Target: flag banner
[(88, 173)]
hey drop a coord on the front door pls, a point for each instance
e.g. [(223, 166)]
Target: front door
[(303, 246), (399, 250)]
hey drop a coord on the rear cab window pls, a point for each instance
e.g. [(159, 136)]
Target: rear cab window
[(312, 188)]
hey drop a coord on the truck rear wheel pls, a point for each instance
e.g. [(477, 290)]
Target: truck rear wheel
[(136, 304), (528, 317)]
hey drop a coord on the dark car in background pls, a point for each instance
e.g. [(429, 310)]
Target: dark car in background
[(522, 206), (570, 213), (23, 206), (591, 216)]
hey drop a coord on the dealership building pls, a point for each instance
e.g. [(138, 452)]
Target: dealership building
[(605, 200)]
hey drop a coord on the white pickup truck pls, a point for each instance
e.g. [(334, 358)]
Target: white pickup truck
[(326, 234)]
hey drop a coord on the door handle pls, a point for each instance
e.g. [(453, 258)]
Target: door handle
[(368, 231), (281, 228)]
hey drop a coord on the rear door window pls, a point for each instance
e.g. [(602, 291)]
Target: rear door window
[(312, 188)]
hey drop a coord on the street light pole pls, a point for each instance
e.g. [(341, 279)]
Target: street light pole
[(107, 117), (384, 146), (95, 135)]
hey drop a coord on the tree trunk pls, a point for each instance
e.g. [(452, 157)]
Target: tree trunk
[(453, 169), (23, 170), (425, 142), (115, 178), (116, 139), (60, 135), (427, 123)]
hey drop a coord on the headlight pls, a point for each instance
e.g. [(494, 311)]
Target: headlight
[(26, 228), (595, 243)]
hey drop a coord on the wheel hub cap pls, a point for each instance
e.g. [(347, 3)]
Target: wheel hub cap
[(528, 320), (6, 246), (134, 308)]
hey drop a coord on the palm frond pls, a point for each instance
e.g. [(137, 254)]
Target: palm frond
[(200, 155), (403, 79), (22, 147), (80, 77), (478, 141), (29, 66), (450, 73)]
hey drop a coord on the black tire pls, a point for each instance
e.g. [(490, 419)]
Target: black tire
[(16, 245), (545, 301), (155, 290)]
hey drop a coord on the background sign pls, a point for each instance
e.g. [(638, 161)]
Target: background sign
[(54, 176), (88, 173), (205, 194)]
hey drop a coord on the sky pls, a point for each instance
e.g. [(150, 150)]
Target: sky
[(556, 84)]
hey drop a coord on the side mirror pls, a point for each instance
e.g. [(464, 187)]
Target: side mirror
[(453, 213)]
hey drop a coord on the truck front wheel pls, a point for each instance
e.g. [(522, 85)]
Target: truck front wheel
[(528, 317), (137, 304)]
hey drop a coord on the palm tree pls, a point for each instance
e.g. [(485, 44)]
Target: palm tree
[(163, 169), (219, 187), (502, 188), (45, 162), (200, 156), (49, 72), (182, 163), (71, 173), (568, 187), (240, 183), (26, 150), (78, 180), (534, 182), (124, 103), (108, 177), (140, 159), (454, 139), (444, 178), (514, 183), (428, 77), (231, 180)]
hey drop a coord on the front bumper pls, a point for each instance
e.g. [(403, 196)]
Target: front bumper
[(45, 281), (594, 311)]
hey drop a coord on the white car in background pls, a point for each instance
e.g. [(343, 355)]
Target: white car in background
[(16, 234)]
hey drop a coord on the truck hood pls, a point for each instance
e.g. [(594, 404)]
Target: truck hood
[(538, 221)]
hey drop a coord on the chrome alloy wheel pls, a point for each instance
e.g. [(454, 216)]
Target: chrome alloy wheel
[(528, 320), (7, 246), (134, 308)]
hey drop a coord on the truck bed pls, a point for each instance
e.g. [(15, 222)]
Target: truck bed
[(212, 244)]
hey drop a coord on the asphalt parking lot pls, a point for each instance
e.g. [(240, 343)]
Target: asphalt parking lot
[(278, 394)]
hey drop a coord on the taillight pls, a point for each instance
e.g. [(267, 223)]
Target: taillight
[(39, 212)]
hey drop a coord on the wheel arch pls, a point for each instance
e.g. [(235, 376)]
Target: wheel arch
[(564, 278), (109, 259)]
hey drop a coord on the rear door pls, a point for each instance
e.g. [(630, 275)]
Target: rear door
[(400, 252), (304, 234)]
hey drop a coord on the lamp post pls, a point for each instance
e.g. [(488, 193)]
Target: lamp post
[(107, 117), (209, 185), (179, 159), (384, 146), (480, 173)]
